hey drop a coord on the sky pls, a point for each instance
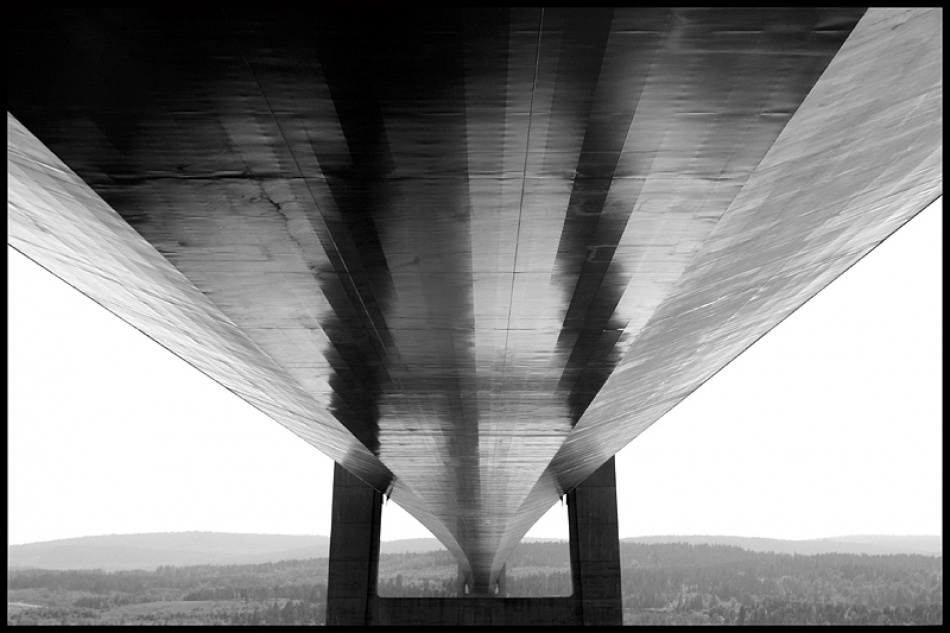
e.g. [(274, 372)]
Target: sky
[(830, 425)]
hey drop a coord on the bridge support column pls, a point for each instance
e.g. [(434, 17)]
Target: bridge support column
[(595, 548), (595, 567), (354, 550)]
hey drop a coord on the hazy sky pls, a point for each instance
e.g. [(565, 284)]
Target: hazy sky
[(830, 425)]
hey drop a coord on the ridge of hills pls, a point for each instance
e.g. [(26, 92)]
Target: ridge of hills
[(872, 545), (149, 551)]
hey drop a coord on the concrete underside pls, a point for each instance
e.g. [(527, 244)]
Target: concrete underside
[(595, 600), (468, 255)]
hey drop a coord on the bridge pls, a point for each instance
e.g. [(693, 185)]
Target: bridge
[(467, 254)]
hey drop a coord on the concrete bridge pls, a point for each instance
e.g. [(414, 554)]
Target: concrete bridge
[(467, 254)]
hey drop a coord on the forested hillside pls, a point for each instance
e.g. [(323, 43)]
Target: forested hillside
[(662, 583)]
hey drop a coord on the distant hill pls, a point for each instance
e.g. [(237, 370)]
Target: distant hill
[(871, 545), (149, 551), (410, 545)]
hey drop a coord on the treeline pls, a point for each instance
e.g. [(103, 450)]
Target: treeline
[(534, 570), (417, 575), (286, 592), (661, 584), (656, 574), (728, 585)]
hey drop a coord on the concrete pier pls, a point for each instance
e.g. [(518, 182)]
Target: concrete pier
[(595, 547), (354, 550)]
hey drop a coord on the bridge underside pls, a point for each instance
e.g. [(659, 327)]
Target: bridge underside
[(469, 255)]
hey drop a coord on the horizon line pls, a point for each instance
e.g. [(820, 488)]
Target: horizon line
[(543, 538)]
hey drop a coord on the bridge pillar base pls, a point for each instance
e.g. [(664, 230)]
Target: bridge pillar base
[(354, 549), (595, 567), (464, 583), (595, 548)]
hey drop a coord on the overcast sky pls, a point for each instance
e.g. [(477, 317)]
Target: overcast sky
[(830, 425)]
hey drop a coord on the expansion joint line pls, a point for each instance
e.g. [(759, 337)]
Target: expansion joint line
[(524, 181)]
